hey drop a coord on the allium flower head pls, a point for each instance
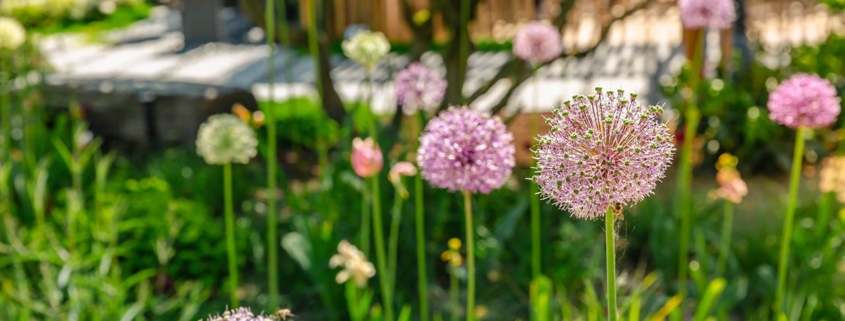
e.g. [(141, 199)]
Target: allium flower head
[(224, 138), (804, 100), (240, 314), (603, 150), (366, 48), (466, 150), (12, 34), (354, 263), (537, 42), (419, 88), (702, 14), (367, 159)]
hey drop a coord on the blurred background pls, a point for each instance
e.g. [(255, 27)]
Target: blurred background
[(105, 98)]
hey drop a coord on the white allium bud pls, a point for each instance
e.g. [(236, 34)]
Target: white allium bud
[(224, 138)]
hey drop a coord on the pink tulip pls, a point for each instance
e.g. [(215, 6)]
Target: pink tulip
[(367, 159)]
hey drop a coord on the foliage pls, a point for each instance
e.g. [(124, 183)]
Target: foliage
[(55, 16)]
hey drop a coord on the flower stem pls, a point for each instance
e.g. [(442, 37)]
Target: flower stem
[(535, 198), (788, 221), (230, 234), (422, 278), (691, 116), (365, 222), (454, 293), (610, 236), (393, 239), (823, 214), (272, 214), (378, 236), (725, 247), (470, 257)]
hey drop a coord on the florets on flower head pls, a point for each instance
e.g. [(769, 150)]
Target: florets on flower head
[(537, 42), (224, 138), (419, 88), (702, 14), (12, 34), (240, 314), (366, 48), (804, 100)]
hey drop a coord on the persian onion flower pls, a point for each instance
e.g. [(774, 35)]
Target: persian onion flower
[(366, 48), (804, 100), (419, 88), (466, 150), (367, 159), (354, 263), (701, 14), (603, 150), (12, 34), (240, 314), (537, 42), (224, 138)]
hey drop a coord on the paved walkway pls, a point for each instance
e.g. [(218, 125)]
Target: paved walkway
[(149, 57)]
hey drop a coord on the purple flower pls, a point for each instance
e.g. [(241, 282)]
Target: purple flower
[(537, 42), (603, 150), (466, 150), (701, 14), (804, 101), (419, 88), (240, 314)]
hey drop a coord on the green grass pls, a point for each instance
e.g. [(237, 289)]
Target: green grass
[(122, 17)]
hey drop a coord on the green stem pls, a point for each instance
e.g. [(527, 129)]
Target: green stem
[(378, 236), (365, 222), (230, 235), (824, 212), (692, 116), (789, 219), (422, 275), (272, 214), (535, 198), (470, 257), (454, 293), (5, 112), (725, 247), (313, 44), (393, 239), (610, 236)]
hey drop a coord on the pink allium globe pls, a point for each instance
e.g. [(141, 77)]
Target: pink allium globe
[(466, 150), (367, 159), (603, 150), (419, 88), (804, 101), (537, 42), (702, 14)]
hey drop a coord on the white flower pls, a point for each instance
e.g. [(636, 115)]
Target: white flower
[(366, 48), (12, 34), (224, 138), (354, 263)]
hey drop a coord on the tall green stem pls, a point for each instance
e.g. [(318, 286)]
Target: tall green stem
[(454, 294), (610, 236), (230, 235), (5, 124), (684, 207), (470, 257), (789, 220), (272, 214), (393, 239), (365, 222), (535, 198), (823, 215), (422, 275), (378, 236), (725, 247)]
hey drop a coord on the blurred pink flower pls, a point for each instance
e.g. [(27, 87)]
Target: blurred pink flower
[(731, 185), (367, 159), (701, 14), (804, 100), (537, 42), (401, 169)]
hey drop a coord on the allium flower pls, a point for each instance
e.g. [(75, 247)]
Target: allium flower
[(367, 159), (832, 177), (354, 263), (466, 150), (603, 150), (419, 88), (12, 34), (366, 48), (240, 314), (701, 14), (537, 42), (804, 100), (224, 138)]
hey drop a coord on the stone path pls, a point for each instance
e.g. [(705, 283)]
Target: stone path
[(149, 57)]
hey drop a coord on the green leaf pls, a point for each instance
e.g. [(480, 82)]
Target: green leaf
[(714, 290), (541, 296)]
